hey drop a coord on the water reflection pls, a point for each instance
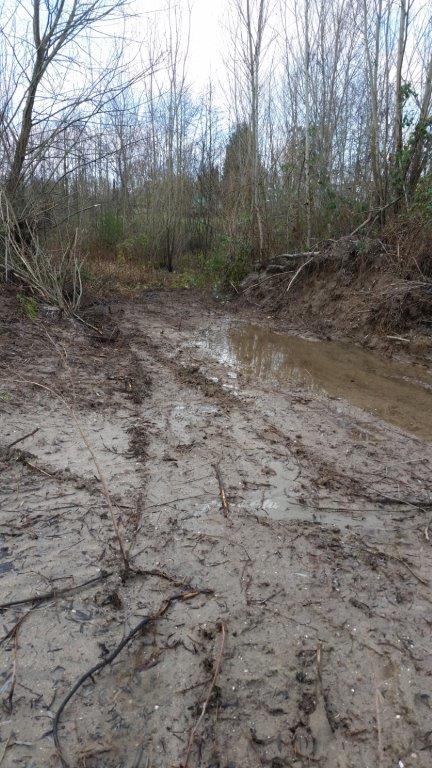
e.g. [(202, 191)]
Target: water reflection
[(398, 393)]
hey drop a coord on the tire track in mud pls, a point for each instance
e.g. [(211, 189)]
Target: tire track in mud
[(297, 589), (326, 640), (97, 612)]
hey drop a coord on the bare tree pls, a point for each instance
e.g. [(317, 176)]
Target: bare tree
[(250, 24), (307, 122), (328, 119), (34, 112)]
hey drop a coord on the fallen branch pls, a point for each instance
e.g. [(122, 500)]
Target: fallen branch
[(372, 218), (55, 593), (297, 272), (302, 255), (208, 697), (182, 596)]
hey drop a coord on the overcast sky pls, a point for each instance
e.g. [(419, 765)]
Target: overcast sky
[(206, 36), (207, 33)]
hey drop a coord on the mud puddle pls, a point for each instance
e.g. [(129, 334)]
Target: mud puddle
[(395, 392)]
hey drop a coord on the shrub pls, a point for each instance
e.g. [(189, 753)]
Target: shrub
[(110, 231)]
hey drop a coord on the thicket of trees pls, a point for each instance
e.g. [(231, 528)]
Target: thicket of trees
[(320, 119)]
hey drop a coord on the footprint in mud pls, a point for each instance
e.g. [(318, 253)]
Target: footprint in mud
[(314, 738)]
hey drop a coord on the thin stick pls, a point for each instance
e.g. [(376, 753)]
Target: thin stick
[(373, 551), (297, 272), (14, 668), (371, 217), (378, 698), (36, 599), (12, 632), (20, 439), (5, 748), (183, 596), (209, 693), (222, 492), (44, 597)]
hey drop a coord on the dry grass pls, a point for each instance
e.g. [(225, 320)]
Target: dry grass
[(111, 275)]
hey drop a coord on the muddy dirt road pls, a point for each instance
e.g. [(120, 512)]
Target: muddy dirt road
[(273, 503)]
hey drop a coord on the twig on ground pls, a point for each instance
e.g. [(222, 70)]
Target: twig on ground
[(388, 556), (170, 502), (161, 574), (20, 440), (12, 632), (55, 593), (36, 599), (405, 564), (22, 456), (89, 325), (222, 492), (138, 760), (14, 666), (378, 700), (208, 697), (5, 748), (109, 658)]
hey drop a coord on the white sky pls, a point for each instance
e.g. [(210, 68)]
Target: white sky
[(207, 37), (207, 34)]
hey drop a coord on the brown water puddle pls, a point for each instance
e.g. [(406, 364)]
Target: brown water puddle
[(398, 393)]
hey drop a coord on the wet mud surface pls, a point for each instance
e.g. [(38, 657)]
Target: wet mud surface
[(398, 392), (269, 519)]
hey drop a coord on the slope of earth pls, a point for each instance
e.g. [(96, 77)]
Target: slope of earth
[(366, 290), (269, 545)]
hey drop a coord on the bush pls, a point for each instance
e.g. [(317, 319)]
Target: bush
[(133, 247), (110, 231), (423, 196), (51, 276), (232, 261)]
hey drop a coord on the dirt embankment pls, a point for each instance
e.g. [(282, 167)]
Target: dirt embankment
[(274, 594), (374, 291)]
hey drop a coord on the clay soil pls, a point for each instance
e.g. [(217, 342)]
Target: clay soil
[(379, 299), (273, 547)]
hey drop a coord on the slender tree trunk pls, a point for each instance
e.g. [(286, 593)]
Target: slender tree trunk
[(372, 69), (14, 176), (307, 128), (254, 52), (422, 137), (399, 100)]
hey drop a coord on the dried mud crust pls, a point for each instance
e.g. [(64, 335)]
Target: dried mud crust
[(293, 534)]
